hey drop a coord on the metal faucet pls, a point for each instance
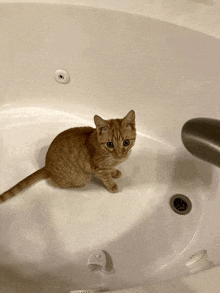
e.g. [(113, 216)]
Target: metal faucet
[(201, 137)]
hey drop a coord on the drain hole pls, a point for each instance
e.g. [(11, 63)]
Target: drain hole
[(180, 204)]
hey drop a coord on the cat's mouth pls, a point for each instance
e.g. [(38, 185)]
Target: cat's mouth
[(121, 157)]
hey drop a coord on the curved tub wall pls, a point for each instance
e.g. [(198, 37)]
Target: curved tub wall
[(161, 63), (166, 64), (116, 62), (200, 16)]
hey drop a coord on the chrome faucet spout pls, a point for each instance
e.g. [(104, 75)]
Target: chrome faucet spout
[(201, 137)]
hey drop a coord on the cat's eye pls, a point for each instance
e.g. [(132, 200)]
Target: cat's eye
[(110, 144), (126, 142)]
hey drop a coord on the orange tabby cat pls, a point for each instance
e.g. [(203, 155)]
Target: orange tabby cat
[(76, 154)]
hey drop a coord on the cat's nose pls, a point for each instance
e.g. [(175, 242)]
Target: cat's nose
[(118, 151), (119, 155)]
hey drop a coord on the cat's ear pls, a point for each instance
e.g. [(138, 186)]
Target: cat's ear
[(101, 124), (129, 120)]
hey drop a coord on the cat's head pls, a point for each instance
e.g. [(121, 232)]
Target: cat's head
[(116, 136)]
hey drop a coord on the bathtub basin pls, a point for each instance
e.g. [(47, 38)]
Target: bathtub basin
[(116, 61)]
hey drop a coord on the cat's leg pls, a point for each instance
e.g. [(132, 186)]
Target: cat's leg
[(115, 173), (106, 177)]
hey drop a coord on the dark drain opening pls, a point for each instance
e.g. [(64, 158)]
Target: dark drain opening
[(180, 204)]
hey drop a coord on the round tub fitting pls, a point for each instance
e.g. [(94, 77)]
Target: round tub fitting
[(199, 262), (61, 76), (180, 204)]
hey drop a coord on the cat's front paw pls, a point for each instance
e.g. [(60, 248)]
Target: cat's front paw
[(116, 174), (113, 189)]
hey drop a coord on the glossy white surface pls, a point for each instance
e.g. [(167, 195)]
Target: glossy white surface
[(203, 282), (116, 62), (198, 15)]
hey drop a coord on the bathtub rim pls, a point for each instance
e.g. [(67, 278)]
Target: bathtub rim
[(203, 22)]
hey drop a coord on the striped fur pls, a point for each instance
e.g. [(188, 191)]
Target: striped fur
[(76, 154), (26, 182)]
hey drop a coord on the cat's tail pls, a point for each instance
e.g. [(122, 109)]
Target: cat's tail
[(26, 182)]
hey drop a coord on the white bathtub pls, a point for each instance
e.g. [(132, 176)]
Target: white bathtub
[(117, 61)]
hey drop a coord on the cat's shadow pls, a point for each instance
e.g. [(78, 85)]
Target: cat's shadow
[(40, 155), (180, 169), (145, 168)]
